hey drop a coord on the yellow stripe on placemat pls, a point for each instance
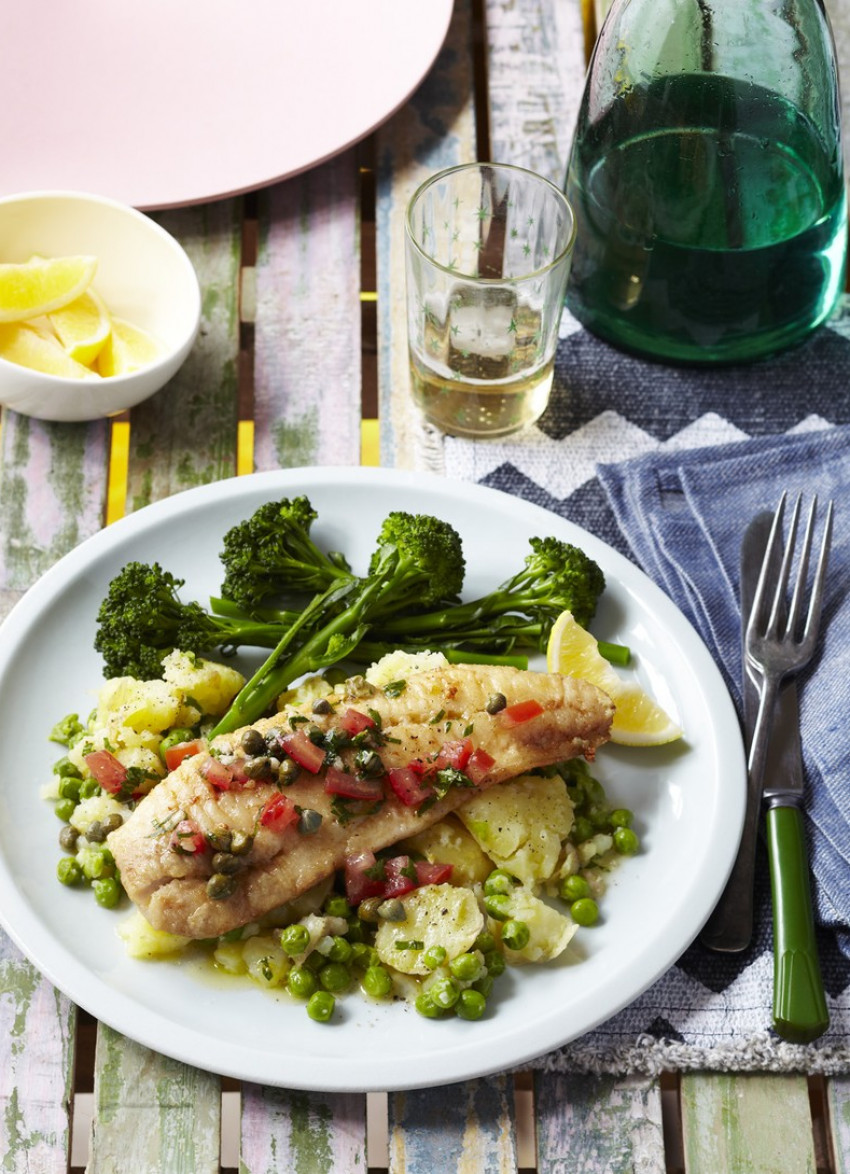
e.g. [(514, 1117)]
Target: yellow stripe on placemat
[(245, 448), (370, 443), (119, 461)]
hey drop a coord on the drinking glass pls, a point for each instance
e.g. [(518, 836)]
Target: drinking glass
[(707, 180), (487, 250)]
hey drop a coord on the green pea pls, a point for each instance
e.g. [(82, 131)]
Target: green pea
[(69, 788), (377, 982), (65, 809), (337, 906), (621, 817), (485, 942), (499, 881), (571, 888), (466, 967), (582, 830), (495, 963), (471, 1005), (294, 939), (340, 950), (174, 738), (356, 931), (483, 985), (626, 842), (301, 982), (434, 956), (89, 788), (585, 911), (107, 892), (516, 934), (334, 976), (66, 769), (363, 955), (444, 993), (426, 1006), (320, 1006), (68, 871), (498, 906)]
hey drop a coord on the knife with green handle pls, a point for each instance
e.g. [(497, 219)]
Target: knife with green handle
[(799, 1005)]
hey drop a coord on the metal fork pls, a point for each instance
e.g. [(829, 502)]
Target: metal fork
[(778, 645), (775, 651)]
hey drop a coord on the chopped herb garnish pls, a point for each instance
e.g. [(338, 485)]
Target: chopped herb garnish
[(414, 944), (449, 777), (395, 688), (468, 730), (297, 719), (344, 809), (437, 718)]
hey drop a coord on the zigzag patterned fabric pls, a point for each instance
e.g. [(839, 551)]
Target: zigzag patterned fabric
[(709, 1011)]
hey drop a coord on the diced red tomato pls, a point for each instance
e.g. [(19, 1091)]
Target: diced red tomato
[(455, 754), (187, 838), (432, 874), (358, 884), (400, 876), (174, 755), (107, 770), (410, 785), (278, 813), (342, 782), (521, 711), (352, 721), (306, 753), (218, 774), (478, 765)]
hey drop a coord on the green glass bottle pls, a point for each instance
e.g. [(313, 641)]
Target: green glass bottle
[(707, 180)]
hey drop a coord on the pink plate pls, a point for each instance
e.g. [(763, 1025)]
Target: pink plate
[(158, 104)]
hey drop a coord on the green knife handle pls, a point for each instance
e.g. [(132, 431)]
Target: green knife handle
[(799, 1004)]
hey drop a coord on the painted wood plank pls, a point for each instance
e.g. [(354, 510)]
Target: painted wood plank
[(598, 1124), (185, 435), (747, 1124), (52, 495), (307, 368), (151, 1114), (37, 1034), (436, 129), (312, 1133), (535, 77), (838, 1102), (467, 1128)]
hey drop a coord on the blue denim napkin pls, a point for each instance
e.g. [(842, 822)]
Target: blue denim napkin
[(684, 514)]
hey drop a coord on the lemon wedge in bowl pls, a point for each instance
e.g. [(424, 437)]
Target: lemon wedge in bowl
[(82, 327), (40, 285), (127, 349), (638, 719), (37, 348)]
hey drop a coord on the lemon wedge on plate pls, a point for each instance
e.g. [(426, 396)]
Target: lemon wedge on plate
[(40, 285), (638, 720), (82, 327), (30, 346), (126, 349)]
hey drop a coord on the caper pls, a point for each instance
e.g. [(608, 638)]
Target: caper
[(273, 741), (112, 823), (257, 768), (220, 887), (226, 863), (496, 702), (253, 743), (321, 705), (392, 910), (309, 821), (95, 833), (369, 763), (367, 910), (68, 837), (220, 839), (241, 843), (288, 773)]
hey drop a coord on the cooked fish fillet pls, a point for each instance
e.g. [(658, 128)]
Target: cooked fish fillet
[(436, 707)]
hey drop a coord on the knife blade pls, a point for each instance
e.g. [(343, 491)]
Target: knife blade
[(729, 929)]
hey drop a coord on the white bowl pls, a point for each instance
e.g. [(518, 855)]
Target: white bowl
[(143, 275)]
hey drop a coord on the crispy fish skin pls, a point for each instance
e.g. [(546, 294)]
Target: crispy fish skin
[(436, 706)]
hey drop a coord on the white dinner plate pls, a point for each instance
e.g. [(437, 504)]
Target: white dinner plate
[(160, 104), (688, 800)]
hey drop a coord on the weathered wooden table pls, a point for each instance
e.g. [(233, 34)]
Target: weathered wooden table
[(302, 360)]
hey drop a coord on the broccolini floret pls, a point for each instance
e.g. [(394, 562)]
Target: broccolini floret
[(418, 561), (272, 553), (143, 618)]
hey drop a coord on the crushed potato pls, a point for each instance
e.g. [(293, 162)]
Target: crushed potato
[(435, 915)]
